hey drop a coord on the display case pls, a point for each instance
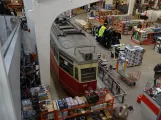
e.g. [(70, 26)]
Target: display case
[(151, 101), (140, 35), (78, 106), (146, 36)]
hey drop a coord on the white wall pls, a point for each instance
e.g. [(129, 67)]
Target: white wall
[(12, 62), (3, 110), (3, 32), (131, 7), (153, 15), (10, 102), (43, 15), (10, 108)]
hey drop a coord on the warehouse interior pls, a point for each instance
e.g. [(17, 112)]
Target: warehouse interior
[(35, 39)]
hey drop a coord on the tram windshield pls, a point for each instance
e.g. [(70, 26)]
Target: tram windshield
[(88, 74)]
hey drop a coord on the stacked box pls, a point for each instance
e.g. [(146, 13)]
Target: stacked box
[(130, 52), (134, 55), (122, 54)]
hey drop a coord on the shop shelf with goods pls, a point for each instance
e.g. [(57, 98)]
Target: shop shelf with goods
[(119, 27), (112, 16), (103, 14), (118, 21), (73, 107), (126, 26), (40, 101), (157, 45), (17, 5), (145, 36), (140, 36)]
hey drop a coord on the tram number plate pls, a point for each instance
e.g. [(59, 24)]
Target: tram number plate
[(88, 56)]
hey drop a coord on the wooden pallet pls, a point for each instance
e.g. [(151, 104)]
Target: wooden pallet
[(133, 66)]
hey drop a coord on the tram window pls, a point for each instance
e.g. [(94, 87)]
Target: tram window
[(68, 59), (88, 74), (56, 53), (76, 73), (65, 65)]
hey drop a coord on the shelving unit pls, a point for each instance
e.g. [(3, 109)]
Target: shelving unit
[(144, 38), (157, 45), (125, 26), (102, 14), (83, 109), (140, 36), (119, 27)]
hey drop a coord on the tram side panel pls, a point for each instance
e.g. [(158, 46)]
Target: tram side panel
[(88, 85), (69, 83), (54, 64)]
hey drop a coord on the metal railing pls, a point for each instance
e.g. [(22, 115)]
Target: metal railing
[(107, 77)]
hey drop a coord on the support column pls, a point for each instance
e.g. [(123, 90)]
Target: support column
[(28, 5), (7, 111), (142, 1), (131, 7)]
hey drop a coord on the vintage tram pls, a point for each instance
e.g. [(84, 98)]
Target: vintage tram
[(73, 58)]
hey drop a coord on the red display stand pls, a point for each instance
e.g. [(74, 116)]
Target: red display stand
[(150, 105)]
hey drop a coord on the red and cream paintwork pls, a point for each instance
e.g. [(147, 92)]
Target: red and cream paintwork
[(68, 82), (151, 106)]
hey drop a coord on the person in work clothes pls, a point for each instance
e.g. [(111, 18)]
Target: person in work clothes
[(157, 70), (133, 29), (101, 32)]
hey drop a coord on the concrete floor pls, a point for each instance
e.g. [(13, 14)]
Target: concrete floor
[(151, 58)]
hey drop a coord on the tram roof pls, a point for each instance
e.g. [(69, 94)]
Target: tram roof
[(73, 43)]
